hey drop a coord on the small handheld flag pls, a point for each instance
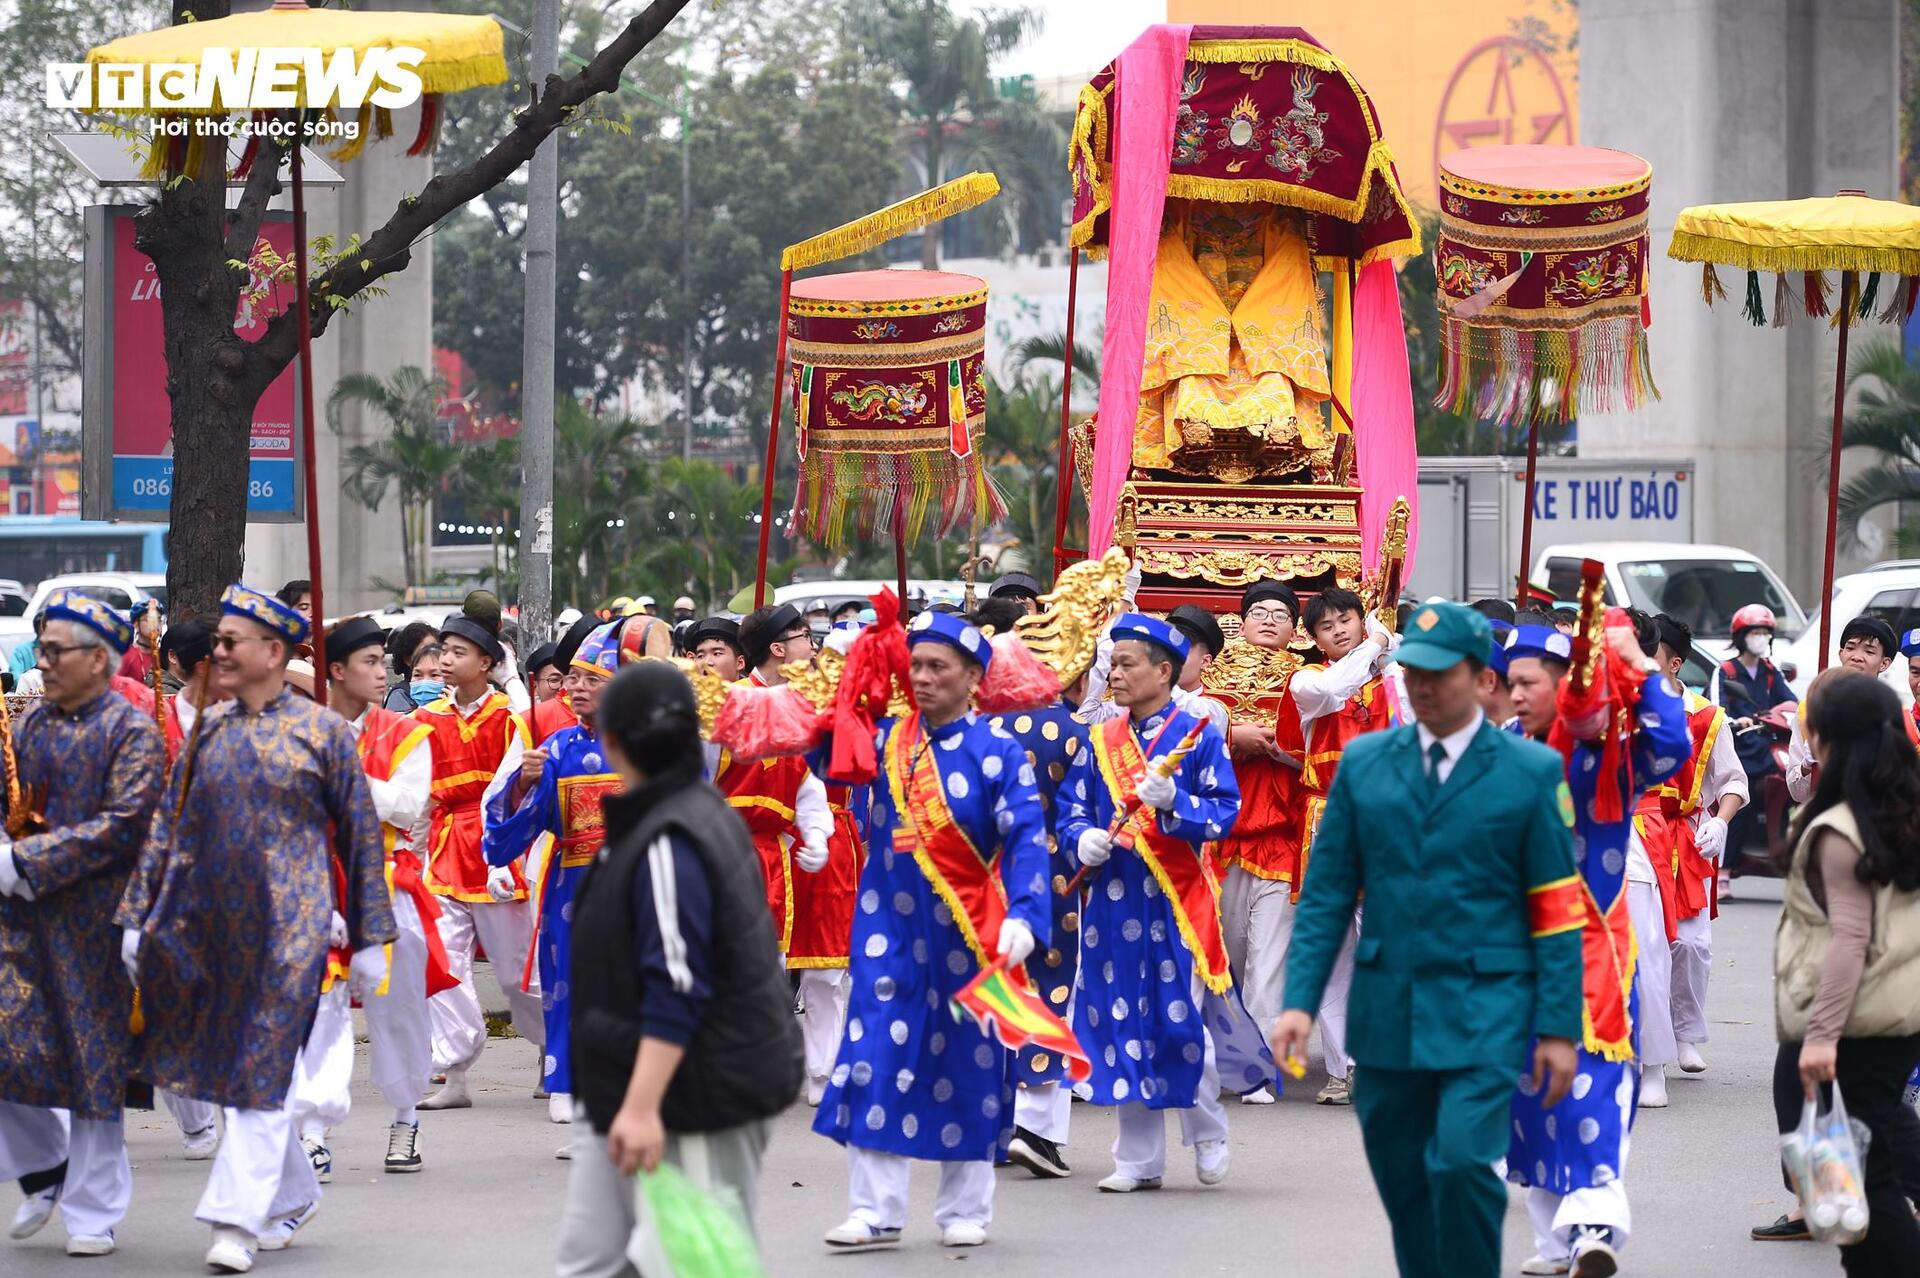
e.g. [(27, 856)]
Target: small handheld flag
[(1015, 1016)]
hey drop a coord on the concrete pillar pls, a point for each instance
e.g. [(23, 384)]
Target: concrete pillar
[(1742, 100)]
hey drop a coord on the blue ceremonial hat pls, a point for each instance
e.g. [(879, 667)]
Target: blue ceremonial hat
[(952, 629), (256, 606), (1539, 641), (599, 652), (1497, 658), (85, 610), (1137, 625), (1910, 644)]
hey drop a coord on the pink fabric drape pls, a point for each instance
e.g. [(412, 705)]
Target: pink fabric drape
[(1386, 456), (1147, 80)]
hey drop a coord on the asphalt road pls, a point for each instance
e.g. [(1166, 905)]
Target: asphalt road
[(1299, 1199)]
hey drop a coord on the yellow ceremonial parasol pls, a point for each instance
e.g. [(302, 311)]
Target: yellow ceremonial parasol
[(1848, 233), (455, 51)]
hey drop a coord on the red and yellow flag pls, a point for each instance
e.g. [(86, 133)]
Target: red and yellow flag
[(1014, 1015)]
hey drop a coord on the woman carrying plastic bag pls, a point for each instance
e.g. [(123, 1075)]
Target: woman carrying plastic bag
[(1847, 982)]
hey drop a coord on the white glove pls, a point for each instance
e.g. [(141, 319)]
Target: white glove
[(1130, 583), (12, 882), (840, 640), (506, 669), (337, 931), (1389, 642), (500, 883), (367, 971), (1155, 791), (1016, 942), (1096, 845), (1711, 841), (811, 856), (130, 952)]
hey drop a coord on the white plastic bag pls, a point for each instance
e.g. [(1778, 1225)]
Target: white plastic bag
[(1824, 1157)]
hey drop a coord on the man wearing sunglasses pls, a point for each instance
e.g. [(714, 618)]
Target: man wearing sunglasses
[(229, 958), (96, 764)]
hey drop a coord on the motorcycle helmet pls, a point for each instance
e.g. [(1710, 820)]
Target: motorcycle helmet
[(1752, 617)]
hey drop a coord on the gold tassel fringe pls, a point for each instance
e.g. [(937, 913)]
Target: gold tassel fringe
[(890, 223)]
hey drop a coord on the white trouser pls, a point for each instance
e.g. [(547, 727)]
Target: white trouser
[(1652, 975), (1692, 955), (825, 991), (193, 1116), (399, 1028), (1555, 1216), (1333, 1005), (877, 1190), (99, 1183), (1045, 1109), (1140, 1147), (261, 1173), (459, 1027), (322, 1091), (1256, 915)]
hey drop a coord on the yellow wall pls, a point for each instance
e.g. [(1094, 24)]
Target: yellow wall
[(1443, 74)]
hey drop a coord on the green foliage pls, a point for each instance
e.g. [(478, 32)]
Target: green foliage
[(1884, 421), (413, 458)]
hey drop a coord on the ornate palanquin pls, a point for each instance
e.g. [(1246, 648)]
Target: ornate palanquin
[(1263, 486)]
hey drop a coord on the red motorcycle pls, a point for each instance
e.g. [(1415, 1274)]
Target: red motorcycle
[(1777, 725)]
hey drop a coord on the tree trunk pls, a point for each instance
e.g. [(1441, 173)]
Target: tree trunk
[(211, 382)]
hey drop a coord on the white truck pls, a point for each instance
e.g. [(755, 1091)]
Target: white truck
[(1471, 510)]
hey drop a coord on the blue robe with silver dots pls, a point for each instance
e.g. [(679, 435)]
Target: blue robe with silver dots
[(909, 1078)]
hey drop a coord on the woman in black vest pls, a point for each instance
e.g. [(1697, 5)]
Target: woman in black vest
[(684, 1040)]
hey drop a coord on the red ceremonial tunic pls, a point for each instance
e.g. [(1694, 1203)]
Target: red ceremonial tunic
[(547, 718), (466, 753), (1664, 820), (1265, 841), (1326, 740), (823, 902), (764, 794)]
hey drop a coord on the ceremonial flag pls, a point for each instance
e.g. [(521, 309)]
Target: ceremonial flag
[(1016, 1017)]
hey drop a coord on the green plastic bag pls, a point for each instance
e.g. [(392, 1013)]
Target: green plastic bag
[(687, 1232)]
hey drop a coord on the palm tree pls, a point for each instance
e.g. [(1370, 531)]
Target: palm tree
[(600, 494), (1885, 418), (412, 457), (954, 119), (705, 537)]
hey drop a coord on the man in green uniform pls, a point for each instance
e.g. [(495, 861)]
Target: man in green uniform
[(1458, 834)]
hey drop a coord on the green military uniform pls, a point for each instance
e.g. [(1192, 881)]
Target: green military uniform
[(1471, 946)]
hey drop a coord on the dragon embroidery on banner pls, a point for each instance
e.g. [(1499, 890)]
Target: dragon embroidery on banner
[(1299, 138), (1461, 276), (1189, 125), (1591, 278), (879, 401)]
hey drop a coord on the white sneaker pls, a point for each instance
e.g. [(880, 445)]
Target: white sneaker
[(90, 1244), (1541, 1265), (1593, 1253), (1261, 1097), (232, 1250), (279, 1232), (403, 1148), (201, 1145), (1210, 1161), (1653, 1087), (855, 1232), (963, 1234), (1691, 1062), (321, 1157), (560, 1108), (1118, 1184), (35, 1210), (1338, 1091), (816, 1091)]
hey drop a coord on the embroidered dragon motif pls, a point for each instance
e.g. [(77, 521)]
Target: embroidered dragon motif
[(879, 401), (1299, 137)]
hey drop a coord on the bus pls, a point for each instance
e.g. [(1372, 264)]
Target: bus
[(35, 547)]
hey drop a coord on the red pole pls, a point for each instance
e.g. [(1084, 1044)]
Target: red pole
[(1848, 281), (1526, 520), (1063, 504), (773, 441), (307, 425)]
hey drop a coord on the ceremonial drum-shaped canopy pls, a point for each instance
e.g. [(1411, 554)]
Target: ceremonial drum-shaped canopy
[(890, 402), (1542, 272)]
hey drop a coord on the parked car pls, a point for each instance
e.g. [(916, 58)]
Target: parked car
[(1702, 585), (1889, 591), (121, 590)]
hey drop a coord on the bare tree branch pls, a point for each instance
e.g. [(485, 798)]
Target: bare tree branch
[(263, 183), (390, 248)]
